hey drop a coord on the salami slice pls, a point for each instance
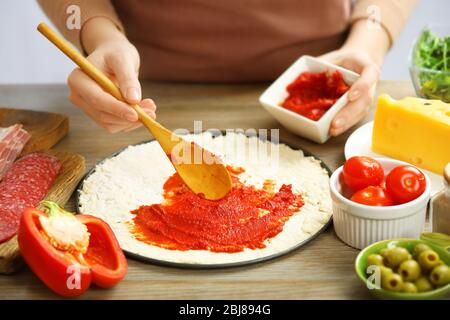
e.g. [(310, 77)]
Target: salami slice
[(12, 140), (25, 185)]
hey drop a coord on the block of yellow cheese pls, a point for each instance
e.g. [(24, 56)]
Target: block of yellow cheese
[(413, 130)]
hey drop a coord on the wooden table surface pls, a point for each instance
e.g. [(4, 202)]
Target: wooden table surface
[(323, 269)]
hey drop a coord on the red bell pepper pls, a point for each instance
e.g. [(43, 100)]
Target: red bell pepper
[(68, 252)]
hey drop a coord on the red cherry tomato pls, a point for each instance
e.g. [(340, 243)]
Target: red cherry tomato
[(405, 183), (373, 196), (361, 172)]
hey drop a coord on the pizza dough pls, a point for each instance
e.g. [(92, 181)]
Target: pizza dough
[(136, 177)]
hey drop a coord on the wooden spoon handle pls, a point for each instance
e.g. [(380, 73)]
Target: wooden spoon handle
[(92, 71)]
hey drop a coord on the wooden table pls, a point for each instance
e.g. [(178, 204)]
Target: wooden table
[(323, 269)]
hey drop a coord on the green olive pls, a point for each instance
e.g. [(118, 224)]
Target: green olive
[(385, 271), (409, 287), (382, 252), (428, 259), (423, 284), (409, 270), (440, 275), (392, 282), (419, 248), (441, 263), (375, 260), (395, 256)]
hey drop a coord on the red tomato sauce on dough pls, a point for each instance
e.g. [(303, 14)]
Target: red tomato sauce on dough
[(312, 94), (244, 218)]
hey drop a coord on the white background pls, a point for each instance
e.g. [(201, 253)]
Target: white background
[(25, 57)]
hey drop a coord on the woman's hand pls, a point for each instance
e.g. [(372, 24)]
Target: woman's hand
[(362, 52), (119, 60), (361, 92)]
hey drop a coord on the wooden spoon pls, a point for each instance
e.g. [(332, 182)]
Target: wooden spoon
[(208, 178)]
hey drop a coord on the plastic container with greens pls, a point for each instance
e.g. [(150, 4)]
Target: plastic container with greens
[(430, 64)]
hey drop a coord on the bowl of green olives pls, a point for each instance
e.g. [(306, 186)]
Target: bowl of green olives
[(408, 269)]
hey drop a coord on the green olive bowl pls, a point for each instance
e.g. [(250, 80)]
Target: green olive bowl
[(438, 242)]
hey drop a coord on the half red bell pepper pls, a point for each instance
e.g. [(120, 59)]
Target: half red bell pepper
[(68, 252)]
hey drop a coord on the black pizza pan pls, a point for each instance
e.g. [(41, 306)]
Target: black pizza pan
[(161, 262)]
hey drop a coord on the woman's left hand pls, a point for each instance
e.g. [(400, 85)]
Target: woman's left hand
[(361, 92)]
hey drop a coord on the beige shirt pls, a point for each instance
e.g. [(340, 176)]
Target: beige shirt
[(229, 40)]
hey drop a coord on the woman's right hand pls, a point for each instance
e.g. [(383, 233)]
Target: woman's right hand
[(119, 60)]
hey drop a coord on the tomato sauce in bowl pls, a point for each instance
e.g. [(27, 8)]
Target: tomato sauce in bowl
[(312, 93)]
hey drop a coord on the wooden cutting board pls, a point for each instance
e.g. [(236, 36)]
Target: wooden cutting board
[(46, 130)]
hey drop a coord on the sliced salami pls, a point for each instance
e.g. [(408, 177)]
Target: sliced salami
[(12, 140), (25, 185)]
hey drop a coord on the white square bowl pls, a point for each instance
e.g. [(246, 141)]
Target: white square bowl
[(274, 96)]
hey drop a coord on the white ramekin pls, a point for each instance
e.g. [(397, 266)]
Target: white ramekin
[(360, 225)]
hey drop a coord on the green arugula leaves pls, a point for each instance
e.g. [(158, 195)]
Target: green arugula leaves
[(431, 59)]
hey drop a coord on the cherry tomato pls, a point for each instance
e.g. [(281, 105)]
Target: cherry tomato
[(361, 172), (405, 183), (373, 196)]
